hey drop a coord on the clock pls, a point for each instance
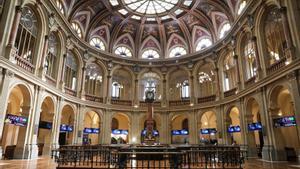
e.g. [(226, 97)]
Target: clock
[(149, 96)]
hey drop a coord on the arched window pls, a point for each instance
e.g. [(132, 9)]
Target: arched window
[(51, 60), (225, 28), (26, 35), (123, 51), (60, 6), (242, 6), (249, 56), (229, 70), (184, 89), (150, 82), (98, 43), (205, 80), (274, 34), (177, 52), (76, 28), (203, 43), (93, 80), (71, 72), (150, 54), (116, 90)]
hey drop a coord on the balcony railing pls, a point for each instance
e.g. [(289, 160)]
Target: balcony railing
[(70, 91), (24, 63), (93, 98), (230, 92), (179, 102), (121, 102), (250, 81), (207, 99), (276, 66), (50, 80), (145, 104)]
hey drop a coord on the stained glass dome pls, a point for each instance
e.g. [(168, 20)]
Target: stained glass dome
[(150, 7)]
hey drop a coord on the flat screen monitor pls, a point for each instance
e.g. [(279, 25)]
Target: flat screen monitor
[(63, 128), (180, 132), (16, 120), (118, 132), (95, 130), (234, 129), (87, 131), (155, 132), (208, 131), (255, 126), (284, 121), (45, 125), (70, 128)]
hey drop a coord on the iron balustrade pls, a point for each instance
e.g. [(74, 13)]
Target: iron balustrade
[(191, 157)]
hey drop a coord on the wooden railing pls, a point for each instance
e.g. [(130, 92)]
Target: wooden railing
[(121, 102), (70, 91), (276, 66), (179, 102), (230, 92), (24, 63), (207, 99), (156, 157), (93, 98), (155, 104)]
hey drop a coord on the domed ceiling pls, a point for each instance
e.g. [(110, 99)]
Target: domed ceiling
[(151, 29)]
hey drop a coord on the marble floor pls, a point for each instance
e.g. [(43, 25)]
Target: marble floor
[(48, 163)]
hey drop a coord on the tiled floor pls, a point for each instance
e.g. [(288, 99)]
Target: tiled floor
[(47, 163)]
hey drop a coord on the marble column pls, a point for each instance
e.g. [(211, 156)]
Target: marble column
[(6, 76), (136, 92), (193, 134), (108, 88), (83, 74), (239, 87), (164, 132), (216, 84), (192, 90), (13, 34), (134, 128), (164, 92), (250, 137), (106, 129), (220, 125), (56, 123), (62, 79), (42, 72), (287, 33), (257, 59)]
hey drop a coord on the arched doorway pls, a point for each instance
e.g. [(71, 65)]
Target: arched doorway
[(120, 126), (208, 128), (180, 129), (45, 126), (66, 125), (254, 137), (283, 117), (233, 126), (16, 121), (91, 131)]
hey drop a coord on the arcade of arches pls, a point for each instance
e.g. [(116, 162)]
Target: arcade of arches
[(223, 72)]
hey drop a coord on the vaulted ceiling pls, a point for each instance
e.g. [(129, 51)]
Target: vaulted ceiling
[(182, 25)]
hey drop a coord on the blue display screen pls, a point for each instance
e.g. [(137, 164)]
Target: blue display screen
[(155, 132), (285, 121), (234, 129), (66, 128), (254, 126), (91, 130), (208, 131), (16, 120), (117, 132), (179, 132)]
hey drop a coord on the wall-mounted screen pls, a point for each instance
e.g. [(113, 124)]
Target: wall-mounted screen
[(118, 132), (179, 132), (45, 125), (155, 133), (16, 120), (255, 126), (285, 121), (234, 129), (66, 128), (208, 131)]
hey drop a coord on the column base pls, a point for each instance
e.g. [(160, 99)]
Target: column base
[(26, 152), (269, 153), (252, 152)]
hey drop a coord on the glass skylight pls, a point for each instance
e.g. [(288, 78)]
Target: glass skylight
[(77, 29), (97, 42), (203, 43), (177, 52), (226, 27), (150, 54), (150, 7), (123, 51)]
